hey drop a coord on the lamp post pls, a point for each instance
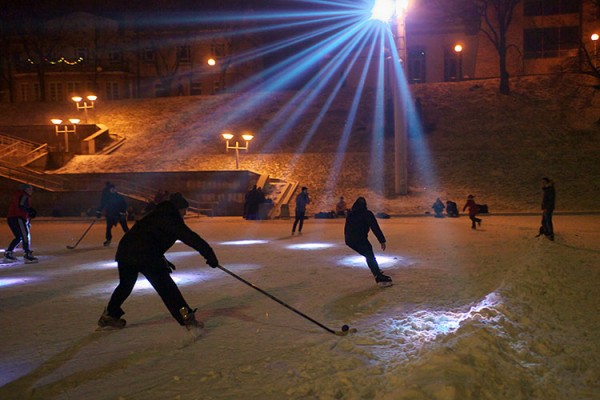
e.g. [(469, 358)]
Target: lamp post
[(458, 49), (595, 38), (400, 103), (228, 136), (84, 105), (65, 129)]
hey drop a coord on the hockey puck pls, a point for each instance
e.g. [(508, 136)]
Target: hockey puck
[(345, 328)]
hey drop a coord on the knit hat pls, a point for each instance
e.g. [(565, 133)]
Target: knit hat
[(470, 196), (25, 186), (178, 201)]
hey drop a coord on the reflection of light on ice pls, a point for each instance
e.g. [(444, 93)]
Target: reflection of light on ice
[(15, 281), (358, 261), (244, 242), (415, 330), (201, 274), (310, 246)]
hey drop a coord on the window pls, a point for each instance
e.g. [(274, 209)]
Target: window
[(219, 86), (148, 55), (196, 88), (112, 91), (451, 65), (184, 54), (73, 88), (550, 42), (115, 56), (218, 49), (56, 91), (416, 65), (25, 92), (550, 7), (37, 92)]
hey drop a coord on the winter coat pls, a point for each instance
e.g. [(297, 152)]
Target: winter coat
[(549, 198), (147, 241), (302, 200), (472, 206), (20, 205), (358, 223), (114, 204)]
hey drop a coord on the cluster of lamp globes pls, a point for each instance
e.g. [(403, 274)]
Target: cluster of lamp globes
[(82, 104)]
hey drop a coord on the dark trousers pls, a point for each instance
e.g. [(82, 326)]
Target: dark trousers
[(161, 281), (474, 220), (366, 250), (112, 221), (299, 218), (547, 226), (20, 230)]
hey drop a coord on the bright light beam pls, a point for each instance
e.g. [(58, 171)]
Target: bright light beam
[(383, 10)]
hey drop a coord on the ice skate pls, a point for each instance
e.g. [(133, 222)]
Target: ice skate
[(29, 258), (9, 257), (383, 281), (106, 243), (189, 319), (106, 321)]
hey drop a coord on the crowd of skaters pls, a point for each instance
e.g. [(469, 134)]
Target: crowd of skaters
[(142, 248)]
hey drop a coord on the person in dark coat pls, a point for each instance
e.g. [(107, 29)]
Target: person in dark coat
[(548, 204), (19, 217), (359, 221), (473, 211), (302, 200), (438, 208), (142, 250), (115, 209)]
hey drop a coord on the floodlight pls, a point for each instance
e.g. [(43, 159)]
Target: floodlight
[(383, 10)]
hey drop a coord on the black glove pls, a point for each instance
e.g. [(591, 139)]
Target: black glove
[(213, 262), (170, 266), (98, 214), (32, 213)]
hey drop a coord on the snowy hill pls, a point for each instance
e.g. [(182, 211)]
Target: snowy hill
[(476, 141)]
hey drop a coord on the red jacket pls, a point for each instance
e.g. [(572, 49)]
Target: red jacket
[(472, 206), (20, 204)]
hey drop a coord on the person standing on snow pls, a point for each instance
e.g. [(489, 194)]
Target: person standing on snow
[(473, 211), (359, 221), (142, 250), (116, 209), (548, 203), (19, 218), (302, 200)]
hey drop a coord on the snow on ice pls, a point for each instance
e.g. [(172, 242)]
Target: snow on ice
[(489, 314)]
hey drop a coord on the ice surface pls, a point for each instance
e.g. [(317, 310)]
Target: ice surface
[(489, 314)]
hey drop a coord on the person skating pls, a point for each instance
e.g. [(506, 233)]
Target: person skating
[(548, 203), (19, 217), (142, 249), (302, 200), (115, 209), (359, 221), (473, 211)]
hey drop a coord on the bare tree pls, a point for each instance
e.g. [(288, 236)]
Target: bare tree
[(493, 19)]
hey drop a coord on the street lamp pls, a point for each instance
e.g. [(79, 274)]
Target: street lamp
[(212, 62), (228, 136), (85, 106), (595, 38), (458, 49), (59, 128)]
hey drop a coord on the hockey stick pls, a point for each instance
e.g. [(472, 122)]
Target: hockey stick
[(345, 328), (82, 236)]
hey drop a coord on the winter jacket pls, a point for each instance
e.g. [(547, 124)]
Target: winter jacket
[(20, 205), (358, 223), (114, 204), (472, 206), (302, 200), (147, 241), (549, 198)]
